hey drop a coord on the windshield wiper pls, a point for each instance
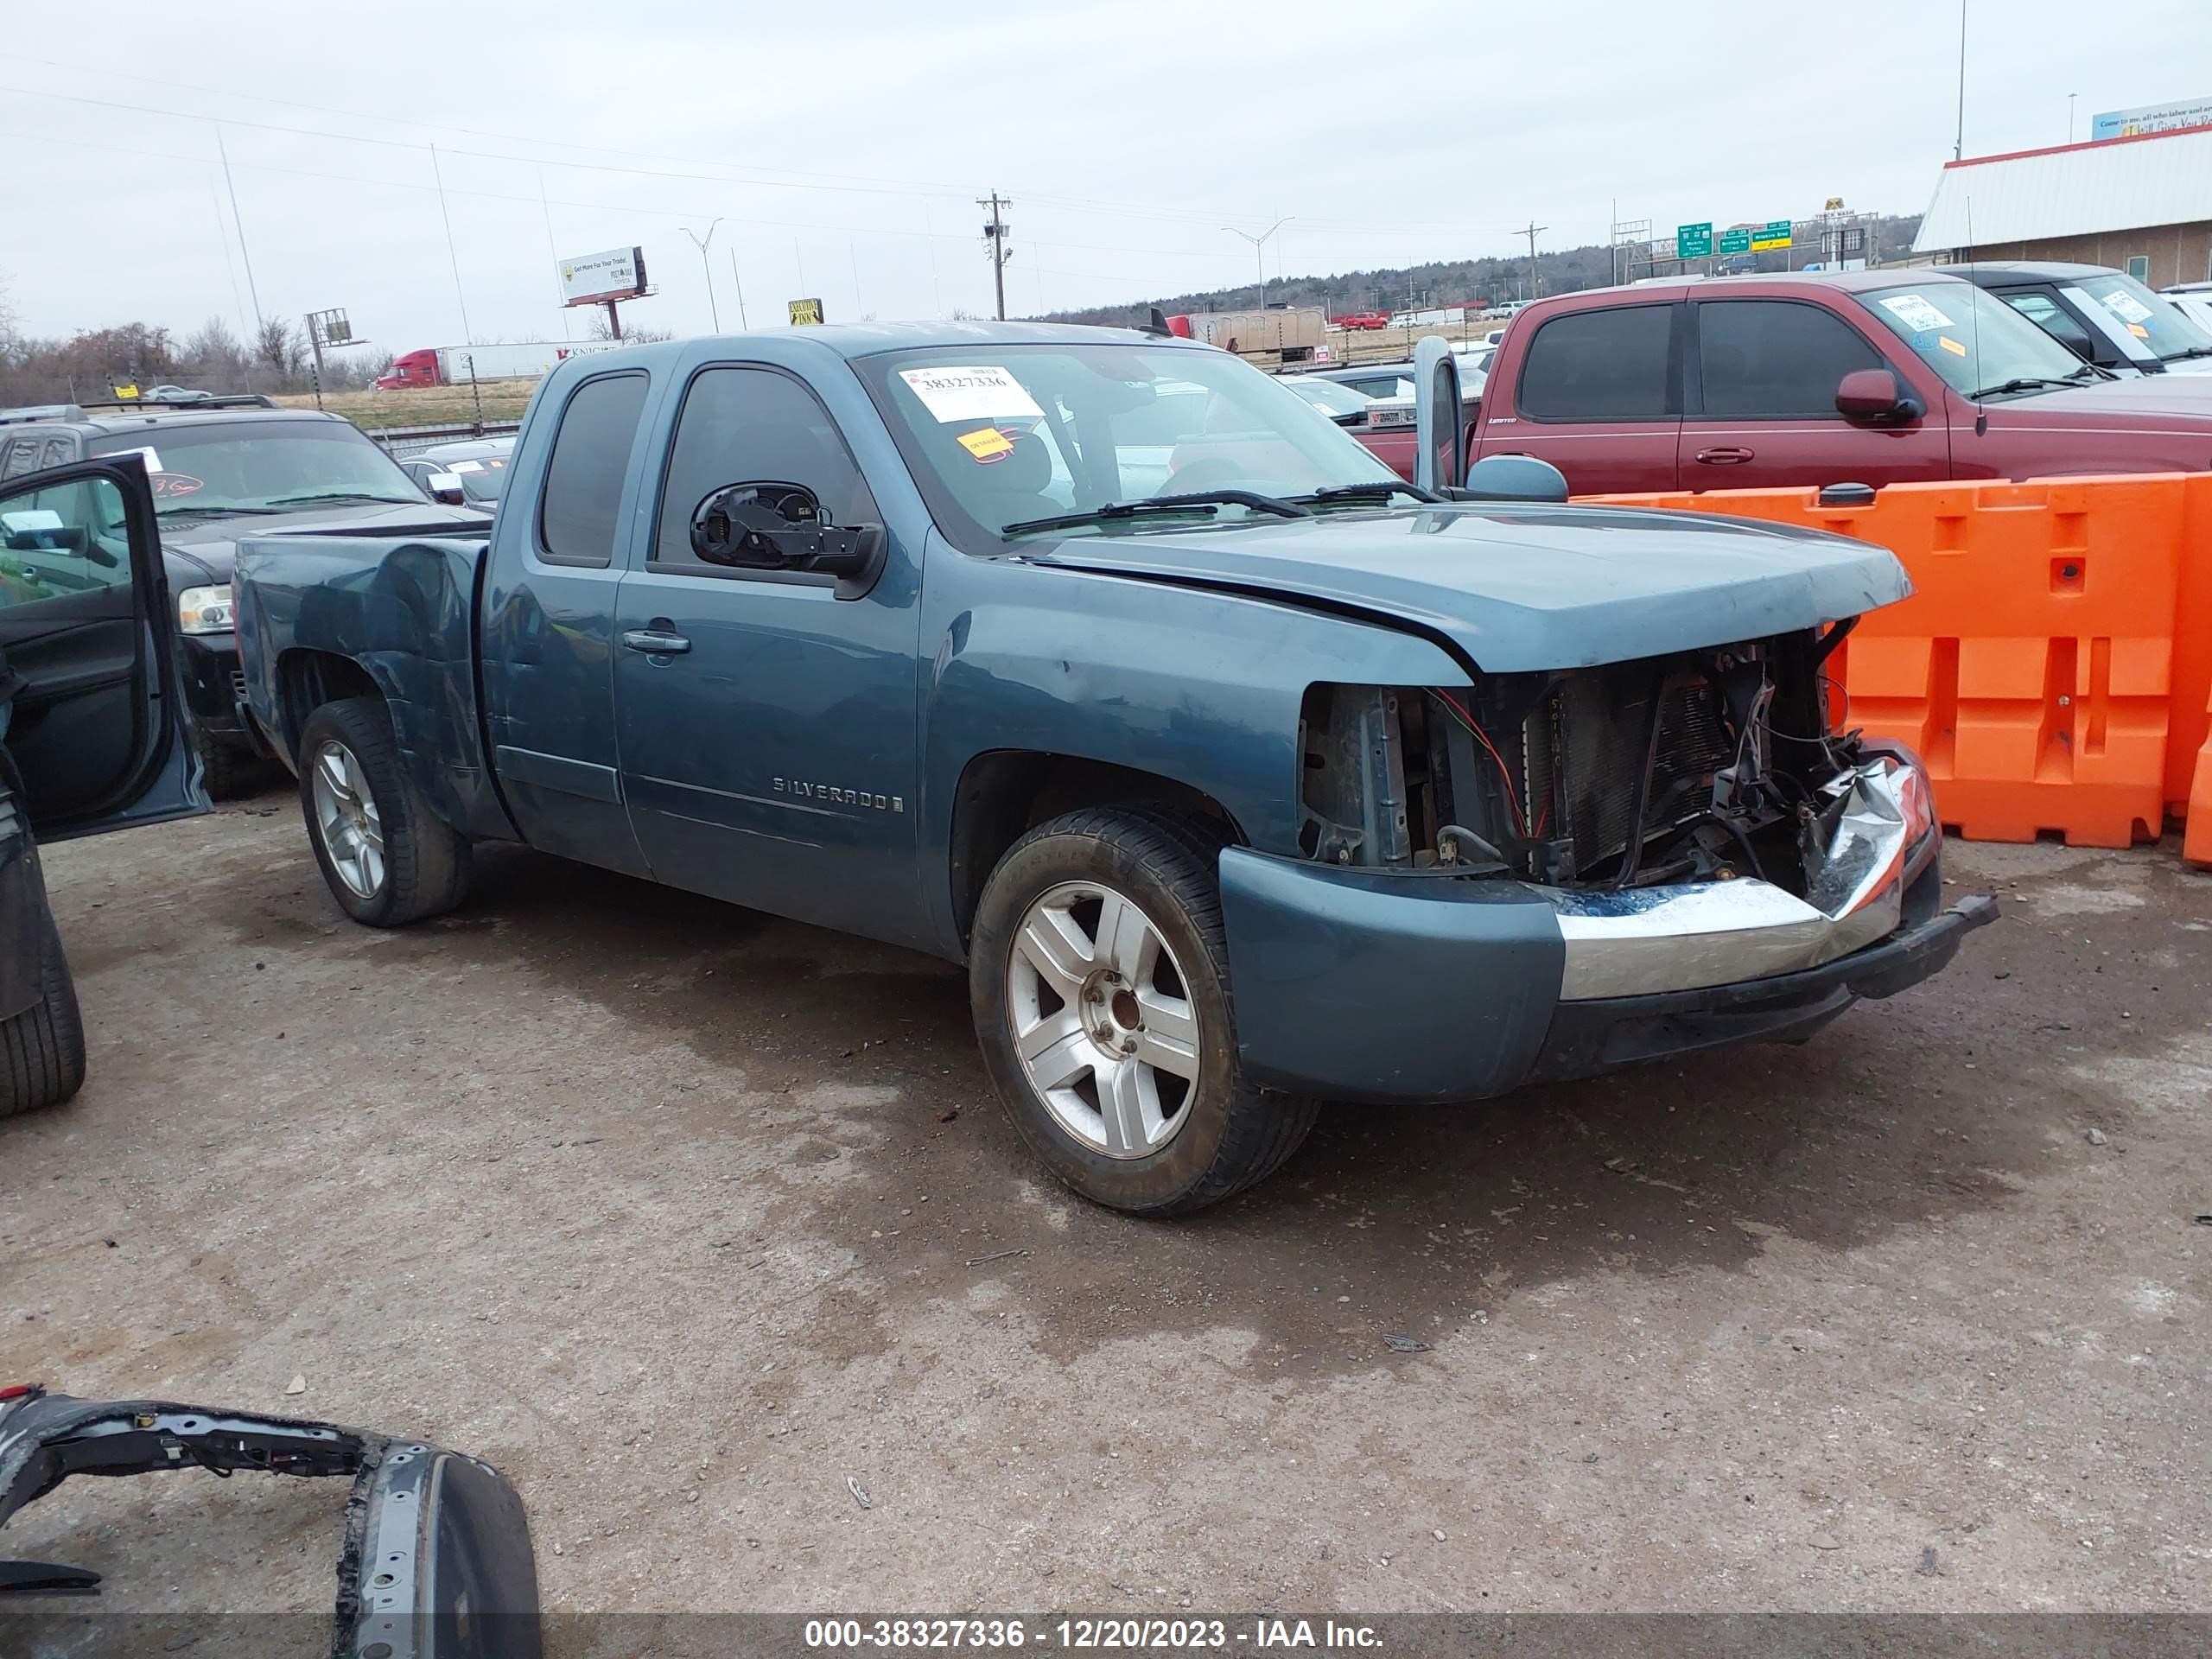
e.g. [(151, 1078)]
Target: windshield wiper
[(1193, 501), (2190, 350), (1379, 490), (2023, 383), (343, 495), (207, 510)]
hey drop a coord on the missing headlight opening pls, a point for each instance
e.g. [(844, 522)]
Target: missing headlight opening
[(1705, 764)]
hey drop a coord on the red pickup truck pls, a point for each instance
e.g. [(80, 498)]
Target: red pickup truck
[(1874, 377)]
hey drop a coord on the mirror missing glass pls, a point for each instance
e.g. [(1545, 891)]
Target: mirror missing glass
[(772, 526)]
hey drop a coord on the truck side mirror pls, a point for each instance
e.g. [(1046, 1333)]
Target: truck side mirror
[(772, 526), (1439, 418), (1512, 478), (1874, 396), (446, 488)]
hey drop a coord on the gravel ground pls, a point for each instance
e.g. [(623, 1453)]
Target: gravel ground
[(683, 1215)]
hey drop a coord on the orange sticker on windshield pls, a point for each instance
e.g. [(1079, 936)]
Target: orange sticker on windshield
[(2139, 331), (1950, 346), (987, 444)]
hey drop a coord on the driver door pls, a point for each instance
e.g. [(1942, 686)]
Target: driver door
[(93, 732), (765, 720)]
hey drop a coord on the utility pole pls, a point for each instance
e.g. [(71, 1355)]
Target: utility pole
[(738, 283), (1535, 291), (994, 234), (315, 345), (1259, 245), (702, 245), (2071, 96), (453, 253)]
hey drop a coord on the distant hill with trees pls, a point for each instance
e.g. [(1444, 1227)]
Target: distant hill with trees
[(1487, 280)]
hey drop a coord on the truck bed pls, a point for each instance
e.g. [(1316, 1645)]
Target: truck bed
[(403, 610)]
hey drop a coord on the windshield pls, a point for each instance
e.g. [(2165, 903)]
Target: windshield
[(1973, 340), (260, 466), (1010, 434), (1327, 396), (2164, 331)]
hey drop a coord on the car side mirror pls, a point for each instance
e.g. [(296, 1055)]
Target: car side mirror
[(1512, 478), (770, 526), (1439, 418), (1875, 396), (446, 488)]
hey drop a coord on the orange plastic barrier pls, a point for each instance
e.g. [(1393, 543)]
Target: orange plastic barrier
[(2034, 667), (2189, 754)]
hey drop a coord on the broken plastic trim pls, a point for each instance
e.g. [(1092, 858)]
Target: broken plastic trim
[(437, 1564)]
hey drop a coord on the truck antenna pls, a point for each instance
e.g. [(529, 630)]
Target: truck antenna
[(1973, 331)]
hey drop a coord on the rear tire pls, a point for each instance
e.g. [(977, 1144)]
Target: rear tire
[(42, 1048), (1098, 978), (388, 858)]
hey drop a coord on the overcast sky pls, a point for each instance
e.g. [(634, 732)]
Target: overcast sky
[(843, 142)]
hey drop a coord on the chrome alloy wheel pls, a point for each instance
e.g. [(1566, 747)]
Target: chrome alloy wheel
[(345, 818), (1103, 1019)]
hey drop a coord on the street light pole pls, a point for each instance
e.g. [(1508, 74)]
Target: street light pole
[(1258, 243), (705, 271)]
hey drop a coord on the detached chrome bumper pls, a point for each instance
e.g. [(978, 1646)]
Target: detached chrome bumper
[(1637, 941)]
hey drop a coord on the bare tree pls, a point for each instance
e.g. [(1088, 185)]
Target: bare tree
[(277, 345)]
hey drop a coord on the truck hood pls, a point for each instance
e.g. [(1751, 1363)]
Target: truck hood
[(1521, 586), (204, 550), (2174, 402)]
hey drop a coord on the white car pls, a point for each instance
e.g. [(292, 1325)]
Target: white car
[(2193, 300)]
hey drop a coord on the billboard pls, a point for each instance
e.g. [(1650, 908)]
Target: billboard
[(805, 313), (593, 278), (2151, 117)]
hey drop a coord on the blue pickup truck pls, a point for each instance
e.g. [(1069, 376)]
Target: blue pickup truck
[(1240, 773)]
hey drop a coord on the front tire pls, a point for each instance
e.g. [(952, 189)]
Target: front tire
[(1098, 978), (388, 858)]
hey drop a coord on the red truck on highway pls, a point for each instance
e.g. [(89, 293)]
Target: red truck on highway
[(1362, 319), (1874, 377)]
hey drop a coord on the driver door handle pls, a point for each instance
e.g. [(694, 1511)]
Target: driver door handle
[(1728, 455), (656, 642)]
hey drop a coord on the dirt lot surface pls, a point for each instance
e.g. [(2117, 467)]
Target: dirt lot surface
[(684, 1217)]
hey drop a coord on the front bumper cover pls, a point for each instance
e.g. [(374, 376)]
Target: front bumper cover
[(437, 1559), (1396, 986)]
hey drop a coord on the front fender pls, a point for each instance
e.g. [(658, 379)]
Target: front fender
[(1198, 687)]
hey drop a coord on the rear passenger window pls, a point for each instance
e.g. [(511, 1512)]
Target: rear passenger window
[(1599, 365), (591, 461), (1776, 358), (56, 452)]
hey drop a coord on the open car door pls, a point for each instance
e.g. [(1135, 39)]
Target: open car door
[(93, 730), (91, 733)]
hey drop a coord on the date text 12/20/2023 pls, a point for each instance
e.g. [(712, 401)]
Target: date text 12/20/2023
[(1086, 1634)]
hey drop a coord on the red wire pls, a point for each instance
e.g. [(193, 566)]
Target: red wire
[(1513, 804)]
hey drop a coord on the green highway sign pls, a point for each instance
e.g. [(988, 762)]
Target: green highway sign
[(1693, 241), (1774, 235), (1736, 241)]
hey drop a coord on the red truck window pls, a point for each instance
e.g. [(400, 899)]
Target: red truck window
[(1608, 365), (1777, 358)]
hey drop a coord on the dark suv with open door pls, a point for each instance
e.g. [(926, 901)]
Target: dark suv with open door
[(91, 729)]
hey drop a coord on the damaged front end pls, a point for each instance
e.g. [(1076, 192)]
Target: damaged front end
[(1693, 820), (437, 1559)]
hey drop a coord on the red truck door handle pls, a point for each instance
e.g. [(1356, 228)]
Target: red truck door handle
[(1728, 455)]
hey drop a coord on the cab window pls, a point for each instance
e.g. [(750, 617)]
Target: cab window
[(1610, 365), (1774, 358)]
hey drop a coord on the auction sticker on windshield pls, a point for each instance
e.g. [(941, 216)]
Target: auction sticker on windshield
[(2125, 306), (987, 444), (970, 394), (1916, 312)]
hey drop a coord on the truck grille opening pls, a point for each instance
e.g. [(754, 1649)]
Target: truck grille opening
[(1699, 764)]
